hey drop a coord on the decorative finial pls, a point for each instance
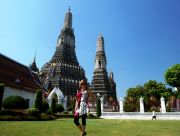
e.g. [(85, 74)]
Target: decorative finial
[(35, 57), (69, 8)]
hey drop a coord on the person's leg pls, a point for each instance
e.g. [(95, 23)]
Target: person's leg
[(76, 122), (84, 124)]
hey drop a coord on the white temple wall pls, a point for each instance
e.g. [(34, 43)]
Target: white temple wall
[(9, 91)]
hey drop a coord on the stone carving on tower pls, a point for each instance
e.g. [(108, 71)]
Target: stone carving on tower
[(101, 83), (63, 70)]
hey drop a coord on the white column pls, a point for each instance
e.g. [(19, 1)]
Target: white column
[(121, 109), (59, 102), (141, 105), (163, 107), (49, 102), (65, 103), (102, 103)]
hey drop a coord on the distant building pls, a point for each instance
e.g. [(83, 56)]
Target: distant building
[(102, 84), (33, 67), (18, 80), (63, 70)]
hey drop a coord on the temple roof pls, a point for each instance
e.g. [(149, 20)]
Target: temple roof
[(17, 75), (33, 66)]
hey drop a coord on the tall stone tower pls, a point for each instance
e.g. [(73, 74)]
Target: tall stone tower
[(101, 83), (63, 70)]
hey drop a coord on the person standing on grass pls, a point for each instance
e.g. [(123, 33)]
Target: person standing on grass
[(81, 106), (153, 116)]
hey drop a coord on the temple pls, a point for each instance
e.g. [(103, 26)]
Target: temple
[(63, 70), (101, 84)]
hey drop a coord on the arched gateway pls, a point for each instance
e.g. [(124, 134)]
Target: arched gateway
[(60, 97)]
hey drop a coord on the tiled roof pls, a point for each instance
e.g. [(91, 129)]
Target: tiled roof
[(16, 75)]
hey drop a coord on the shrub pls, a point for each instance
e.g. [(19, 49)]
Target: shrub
[(33, 112), (38, 101), (53, 106), (45, 106), (69, 108), (98, 112), (15, 102), (48, 112), (91, 116), (59, 108), (65, 112), (1, 94), (11, 112)]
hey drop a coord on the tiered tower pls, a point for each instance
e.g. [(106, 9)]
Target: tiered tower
[(63, 70), (101, 83)]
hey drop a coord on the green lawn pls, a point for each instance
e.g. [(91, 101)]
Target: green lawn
[(95, 127)]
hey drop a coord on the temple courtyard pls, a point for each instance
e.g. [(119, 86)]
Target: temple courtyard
[(95, 127)]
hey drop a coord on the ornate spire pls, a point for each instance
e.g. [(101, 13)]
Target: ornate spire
[(68, 19), (33, 66), (111, 76), (69, 8), (100, 61), (100, 43)]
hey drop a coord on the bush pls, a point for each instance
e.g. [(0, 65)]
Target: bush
[(45, 106), (1, 94), (59, 108), (91, 116), (47, 117), (33, 112), (69, 108), (15, 102), (53, 106), (48, 112), (38, 101), (65, 112), (11, 112), (98, 112)]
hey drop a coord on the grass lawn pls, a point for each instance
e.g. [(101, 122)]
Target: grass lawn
[(95, 127)]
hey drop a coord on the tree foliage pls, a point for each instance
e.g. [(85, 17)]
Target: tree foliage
[(53, 105), (38, 101), (1, 94), (172, 76), (15, 102), (45, 106), (59, 108), (98, 107), (151, 91)]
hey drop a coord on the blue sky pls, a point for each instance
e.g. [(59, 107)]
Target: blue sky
[(142, 37)]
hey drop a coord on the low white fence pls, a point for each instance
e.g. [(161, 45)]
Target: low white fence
[(141, 116)]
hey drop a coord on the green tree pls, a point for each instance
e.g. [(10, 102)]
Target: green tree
[(53, 105), (45, 106), (59, 108), (151, 91), (131, 103), (172, 76), (38, 101), (15, 102), (1, 94), (98, 107)]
